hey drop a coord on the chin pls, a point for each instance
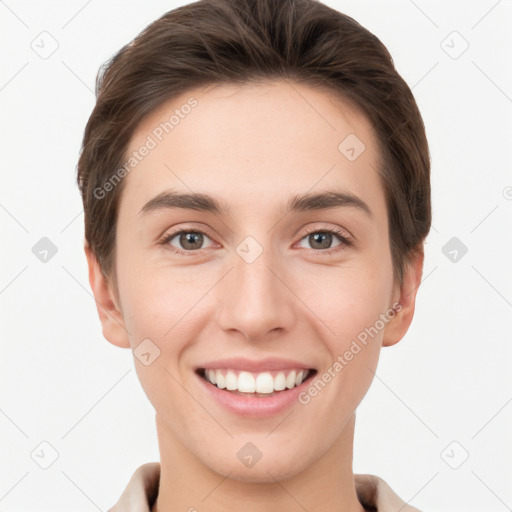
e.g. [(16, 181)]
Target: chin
[(278, 466)]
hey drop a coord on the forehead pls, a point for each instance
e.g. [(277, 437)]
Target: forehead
[(252, 144)]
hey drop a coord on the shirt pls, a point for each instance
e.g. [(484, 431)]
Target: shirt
[(374, 494)]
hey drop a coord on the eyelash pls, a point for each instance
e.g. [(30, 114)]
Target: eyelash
[(345, 242)]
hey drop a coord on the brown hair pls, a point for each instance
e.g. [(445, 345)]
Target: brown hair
[(242, 41)]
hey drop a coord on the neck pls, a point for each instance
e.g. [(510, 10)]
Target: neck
[(186, 484)]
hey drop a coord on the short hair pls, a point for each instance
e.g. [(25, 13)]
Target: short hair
[(250, 41)]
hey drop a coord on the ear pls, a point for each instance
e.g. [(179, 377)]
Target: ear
[(406, 297), (111, 317)]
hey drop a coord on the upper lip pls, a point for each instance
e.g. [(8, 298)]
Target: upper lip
[(253, 365)]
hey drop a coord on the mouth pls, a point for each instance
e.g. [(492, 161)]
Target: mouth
[(256, 384)]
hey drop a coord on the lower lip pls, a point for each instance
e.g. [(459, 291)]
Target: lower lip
[(252, 406)]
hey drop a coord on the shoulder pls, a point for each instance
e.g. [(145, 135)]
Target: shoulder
[(376, 495), (141, 491)]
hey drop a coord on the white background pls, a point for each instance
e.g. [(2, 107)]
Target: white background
[(448, 380)]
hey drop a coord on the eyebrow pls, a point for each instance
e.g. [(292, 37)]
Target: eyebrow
[(169, 199)]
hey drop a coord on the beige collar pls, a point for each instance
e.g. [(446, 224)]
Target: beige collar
[(139, 495)]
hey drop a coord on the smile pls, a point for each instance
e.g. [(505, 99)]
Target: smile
[(256, 384)]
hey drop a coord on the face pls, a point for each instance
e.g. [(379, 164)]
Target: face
[(271, 287)]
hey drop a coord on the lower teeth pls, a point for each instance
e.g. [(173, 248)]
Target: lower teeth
[(258, 395)]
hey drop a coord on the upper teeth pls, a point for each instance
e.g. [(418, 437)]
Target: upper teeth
[(247, 382)]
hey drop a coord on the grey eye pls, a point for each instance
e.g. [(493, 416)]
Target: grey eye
[(189, 240), (320, 239)]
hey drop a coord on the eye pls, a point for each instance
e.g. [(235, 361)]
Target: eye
[(321, 240), (189, 240)]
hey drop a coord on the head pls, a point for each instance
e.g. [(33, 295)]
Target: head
[(262, 106)]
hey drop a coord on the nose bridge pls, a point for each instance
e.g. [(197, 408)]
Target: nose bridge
[(254, 299)]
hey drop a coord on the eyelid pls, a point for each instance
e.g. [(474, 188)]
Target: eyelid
[(330, 228)]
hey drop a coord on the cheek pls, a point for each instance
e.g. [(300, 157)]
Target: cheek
[(165, 314), (159, 317), (353, 343), (154, 300), (351, 300), (358, 316)]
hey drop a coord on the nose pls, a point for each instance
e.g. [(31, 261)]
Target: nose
[(256, 298)]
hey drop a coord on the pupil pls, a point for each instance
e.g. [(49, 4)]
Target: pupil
[(189, 238), (319, 236)]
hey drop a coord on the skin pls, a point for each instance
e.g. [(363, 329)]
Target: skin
[(253, 146)]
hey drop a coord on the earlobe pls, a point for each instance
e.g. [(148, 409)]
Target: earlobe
[(111, 317), (399, 325)]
